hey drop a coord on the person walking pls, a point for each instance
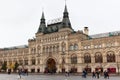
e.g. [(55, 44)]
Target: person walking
[(84, 73), (93, 74), (98, 74), (107, 74), (68, 73), (27, 72), (19, 72)]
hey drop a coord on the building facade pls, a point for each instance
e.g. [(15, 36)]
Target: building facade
[(58, 48)]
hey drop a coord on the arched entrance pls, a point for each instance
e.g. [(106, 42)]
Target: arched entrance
[(50, 66)]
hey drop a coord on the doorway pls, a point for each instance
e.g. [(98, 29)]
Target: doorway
[(50, 66)]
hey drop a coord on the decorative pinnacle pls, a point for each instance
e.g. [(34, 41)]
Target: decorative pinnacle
[(65, 2)]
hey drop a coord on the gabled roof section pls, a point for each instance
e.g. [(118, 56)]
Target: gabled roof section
[(54, 25)]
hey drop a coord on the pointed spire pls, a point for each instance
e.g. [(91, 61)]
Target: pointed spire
[(65, 8), (42, 27), (66, 22), (65, 13), (43, 17)]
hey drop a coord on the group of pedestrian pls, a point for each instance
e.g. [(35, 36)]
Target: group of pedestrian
[(22, 72), (106, 74), (67, 74), (97, 74)]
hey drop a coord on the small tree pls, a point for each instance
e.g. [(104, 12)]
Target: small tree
[(16, 66), (4, 66)]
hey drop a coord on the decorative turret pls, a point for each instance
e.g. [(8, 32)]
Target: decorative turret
[(66, 22), (42, 27)]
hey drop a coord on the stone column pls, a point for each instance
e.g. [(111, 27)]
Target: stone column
[(92, 58), (58, 68), (104, 58), (60, 47), (42, 68), (67, 46), (36, 68), (79, 69), (79, 59)]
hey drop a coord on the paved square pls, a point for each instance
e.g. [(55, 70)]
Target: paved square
[(52, 77)]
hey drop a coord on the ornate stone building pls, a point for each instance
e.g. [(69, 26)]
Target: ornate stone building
[(58, 48)]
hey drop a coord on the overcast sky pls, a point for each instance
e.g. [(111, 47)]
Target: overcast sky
[(19, 19)]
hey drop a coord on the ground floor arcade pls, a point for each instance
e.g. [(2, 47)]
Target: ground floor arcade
[(52, 66)]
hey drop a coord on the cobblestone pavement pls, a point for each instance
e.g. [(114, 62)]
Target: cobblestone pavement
[(51, 77)]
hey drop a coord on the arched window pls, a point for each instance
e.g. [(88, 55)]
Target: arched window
[(47, 50), (63, 47), (87, 58), (53, 48), (75, 47), (57, 48), (98, 58), (110, 56), (74, 59), (26, 61), (32, 50), (20, 61), (33, 61), (71, 47), (38, 61), (38, 48), (43, 49), (50, 50)]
